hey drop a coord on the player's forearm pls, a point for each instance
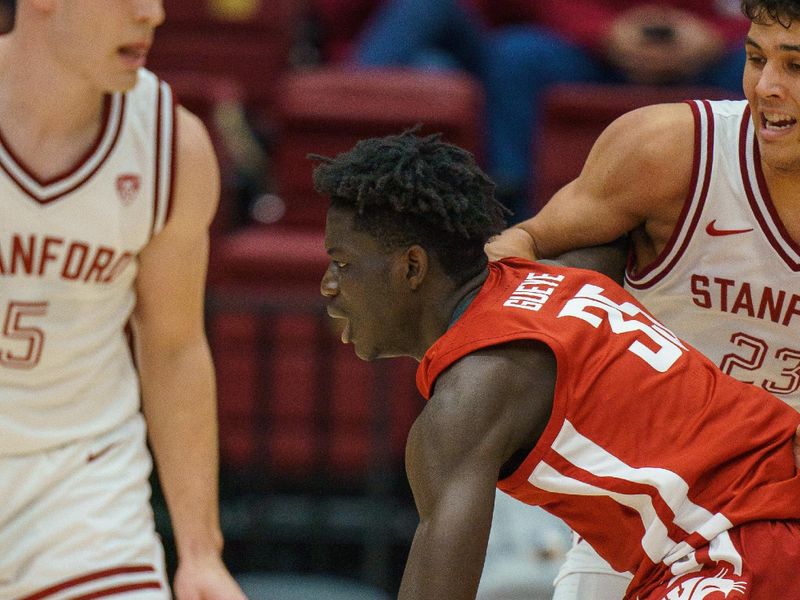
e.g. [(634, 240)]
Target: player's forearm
[(442, 566), (179, 403)]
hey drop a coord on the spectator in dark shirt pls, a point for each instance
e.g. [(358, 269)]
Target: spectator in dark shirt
[(518, 48)]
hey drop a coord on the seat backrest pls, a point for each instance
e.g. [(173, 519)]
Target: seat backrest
[(247, 40), (297, 407), (328, 110), (574, 115)]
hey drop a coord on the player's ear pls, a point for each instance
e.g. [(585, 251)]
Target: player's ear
[(416, 263)]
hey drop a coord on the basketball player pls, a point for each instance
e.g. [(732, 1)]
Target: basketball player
[(709, 193), (106, 194), (555, 385)]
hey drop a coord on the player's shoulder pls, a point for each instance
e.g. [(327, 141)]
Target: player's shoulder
[(197, 179), (653, 143), (655, 126)]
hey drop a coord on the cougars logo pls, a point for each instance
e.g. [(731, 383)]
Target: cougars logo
[(128, 186), (716, 588)]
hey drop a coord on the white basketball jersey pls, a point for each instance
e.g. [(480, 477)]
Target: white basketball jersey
[(68, 261), (728, 281)]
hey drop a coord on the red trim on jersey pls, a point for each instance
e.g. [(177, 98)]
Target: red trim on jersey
[(120, 589), (19, 163), (173, 154), (86, 155), (765, 195), (682, 232), (157, 170), (95, 576)]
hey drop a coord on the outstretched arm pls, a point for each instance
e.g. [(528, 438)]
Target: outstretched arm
[(635, 180), (486, 408)]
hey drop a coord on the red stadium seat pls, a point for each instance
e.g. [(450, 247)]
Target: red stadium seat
[(327, 111), (574, 115), (296, 404), (247, 40), (206, 95), (268, 260)]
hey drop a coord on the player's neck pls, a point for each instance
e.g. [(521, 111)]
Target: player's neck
[(42, 96), (443, 305), (48, 118), (784, 191)]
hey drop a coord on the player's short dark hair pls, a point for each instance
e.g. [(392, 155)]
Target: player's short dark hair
[(406, 189), (766, 12)]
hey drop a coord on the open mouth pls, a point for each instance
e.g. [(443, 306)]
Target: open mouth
[(342, 324), (775, 121), (134, 54)]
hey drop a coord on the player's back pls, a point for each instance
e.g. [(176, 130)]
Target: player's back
[(68, 261), (639, 421)]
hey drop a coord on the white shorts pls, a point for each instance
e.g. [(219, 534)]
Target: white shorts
[(584, 575), (76, 521)]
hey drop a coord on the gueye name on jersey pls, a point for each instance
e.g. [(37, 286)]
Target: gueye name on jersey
[(744, 298), (532, 293), (71, 260)]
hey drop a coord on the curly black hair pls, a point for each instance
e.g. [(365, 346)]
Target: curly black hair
[(766, 12), (407, 189)]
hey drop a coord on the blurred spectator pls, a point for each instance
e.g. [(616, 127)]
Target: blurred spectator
[(689, 42), (518, 48), (447, 34), (339, 23)]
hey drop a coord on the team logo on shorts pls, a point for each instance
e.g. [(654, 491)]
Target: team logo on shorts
[(128, 186), (697, 588)]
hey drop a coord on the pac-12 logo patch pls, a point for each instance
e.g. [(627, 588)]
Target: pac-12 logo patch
[(128, 185)]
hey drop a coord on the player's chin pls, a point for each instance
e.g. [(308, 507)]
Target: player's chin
[(365, 352)]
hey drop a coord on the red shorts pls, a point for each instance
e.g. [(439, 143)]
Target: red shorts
[(770, 554)]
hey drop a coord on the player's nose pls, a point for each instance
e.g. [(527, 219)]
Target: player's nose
[(328, 287), (149, 11)]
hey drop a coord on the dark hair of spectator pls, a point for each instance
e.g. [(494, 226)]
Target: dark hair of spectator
[(406, 189), (766, 12)]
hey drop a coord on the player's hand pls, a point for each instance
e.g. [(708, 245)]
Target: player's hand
[(511, 242), (205, 579)]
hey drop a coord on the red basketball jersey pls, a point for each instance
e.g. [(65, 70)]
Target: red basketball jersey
[(651, 452)]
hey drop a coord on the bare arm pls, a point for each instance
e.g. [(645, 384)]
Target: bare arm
[(486, 408), (609, 259), (178, 388), (635, 179)]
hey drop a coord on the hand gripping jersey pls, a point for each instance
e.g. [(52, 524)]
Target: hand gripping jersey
[(650, 452), (68, 260), (729, 278)]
